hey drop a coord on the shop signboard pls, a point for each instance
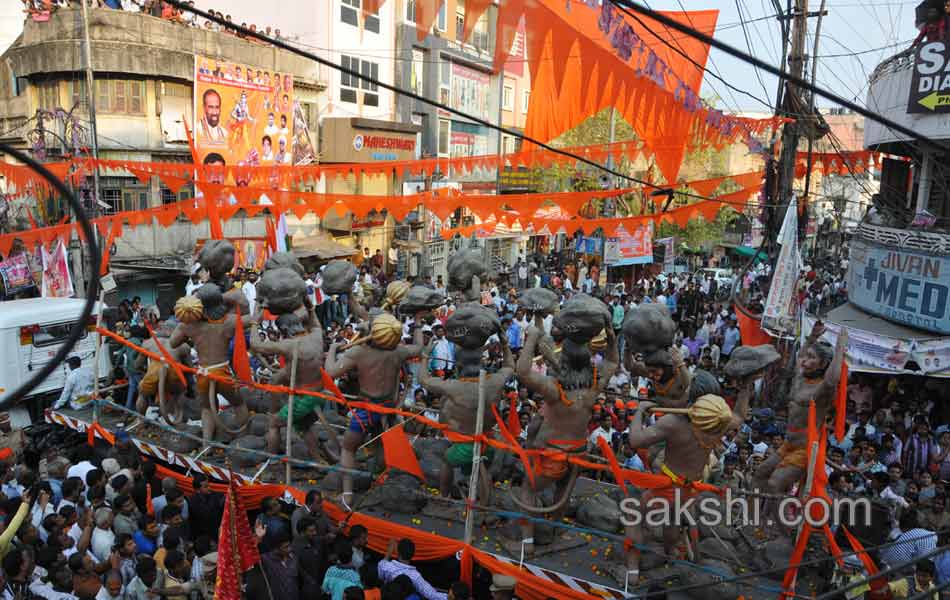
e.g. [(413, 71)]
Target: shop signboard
[(930, 80), (630, 248), (904, 286)]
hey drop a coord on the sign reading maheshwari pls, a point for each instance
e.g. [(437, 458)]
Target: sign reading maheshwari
[(901, 285), (930, 82)]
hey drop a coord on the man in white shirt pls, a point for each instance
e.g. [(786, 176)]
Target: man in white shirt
[(603, 430), (102, 537), (443, 351), (79, 385), (250, 290)]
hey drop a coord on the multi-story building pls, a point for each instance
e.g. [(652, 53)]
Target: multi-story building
[(899, 256), (143, 69)]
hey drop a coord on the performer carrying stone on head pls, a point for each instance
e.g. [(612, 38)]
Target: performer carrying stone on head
[(378, 364), (689, 439), (460, 394), (217, 257), (159, 381), (210, 324), (650, 353), (819, 369), (568, 401)]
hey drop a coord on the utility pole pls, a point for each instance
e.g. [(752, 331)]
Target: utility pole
[(811, 109), (791, 132), (91, 103)]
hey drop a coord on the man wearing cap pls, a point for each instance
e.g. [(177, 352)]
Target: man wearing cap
[(79, 385)]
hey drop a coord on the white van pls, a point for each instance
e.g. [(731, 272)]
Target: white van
[(31, 333)]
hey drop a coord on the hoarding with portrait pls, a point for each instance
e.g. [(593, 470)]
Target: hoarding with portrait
[(244, 115)]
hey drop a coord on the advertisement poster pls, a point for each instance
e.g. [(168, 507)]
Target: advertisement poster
[(16, 274), (669, 253), (780, 307), (588, 245), (515, 63), (930, 80), (469, 91), (244, 115), (57, 282), (902, 285), (303, 149), (932, 356), (251, 253)]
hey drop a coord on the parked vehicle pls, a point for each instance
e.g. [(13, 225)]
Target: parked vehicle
[(31, 333)]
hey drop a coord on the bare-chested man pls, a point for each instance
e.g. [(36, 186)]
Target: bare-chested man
[(159, 381), (460, 411), (309, 344), (819, 369), (378, 365), (688, 446), (568, 400), (211, 336)]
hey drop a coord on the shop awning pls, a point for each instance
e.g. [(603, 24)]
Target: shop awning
[(322, 248), (761, 256), (633, 260)]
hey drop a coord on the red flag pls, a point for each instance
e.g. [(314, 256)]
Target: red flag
[(514, 421), (168, 357), (237, 549), (612, 462), (841, 402), (329, 384), (242, 366), (399, 453)]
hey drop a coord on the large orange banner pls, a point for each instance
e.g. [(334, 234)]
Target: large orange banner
[(244, 115)]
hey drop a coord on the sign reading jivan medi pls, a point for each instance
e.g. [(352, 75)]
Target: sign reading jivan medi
[(904, 286), (930, 84)]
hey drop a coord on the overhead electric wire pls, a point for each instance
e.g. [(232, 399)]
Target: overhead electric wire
[(798, 81), (748, 44)]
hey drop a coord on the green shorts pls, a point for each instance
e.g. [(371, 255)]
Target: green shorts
[(304, 412), (460, 455)]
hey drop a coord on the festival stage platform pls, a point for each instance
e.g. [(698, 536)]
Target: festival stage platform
[(578, 559)]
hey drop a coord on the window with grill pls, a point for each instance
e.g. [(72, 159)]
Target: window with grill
[(347, 81), (168, 196), (444, 128), (112, 197), (177, 90), (371, 22), (508, 97), (77, 94), (349, 12), (48, 94), (411, 11)]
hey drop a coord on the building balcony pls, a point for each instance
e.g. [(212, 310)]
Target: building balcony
[(889, 94), (134, 43)]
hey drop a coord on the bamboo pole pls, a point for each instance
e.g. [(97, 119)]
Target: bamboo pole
[(290, 411), (476, 460)]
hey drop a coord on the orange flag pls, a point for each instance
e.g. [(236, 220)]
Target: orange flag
[(514, 421), (168, 357), (237, 548), (514, 443), (751, 330), (614, 465), (329, 384), (797, 554), (242, 366), (841, 402), (214, 219), (858, 547), (399, 453)]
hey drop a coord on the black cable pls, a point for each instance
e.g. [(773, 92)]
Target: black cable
[(748, 45), (798, 81), (79, 329)]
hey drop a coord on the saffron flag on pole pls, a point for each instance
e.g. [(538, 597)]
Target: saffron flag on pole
[(841, 402), (242, 366), (399, 453)]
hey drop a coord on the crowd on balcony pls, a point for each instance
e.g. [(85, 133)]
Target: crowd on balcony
[(41, 9)]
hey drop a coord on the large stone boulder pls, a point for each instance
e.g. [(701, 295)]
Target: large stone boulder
[(648, 328), (402, 493), (284, 260), (582, 318), (217, 256), (462, 266), (339, 277), (281, 290), (746, 360), (703, 383), (540, 300), (471, 326), (248, 442), (420, 298), (600, 511)]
